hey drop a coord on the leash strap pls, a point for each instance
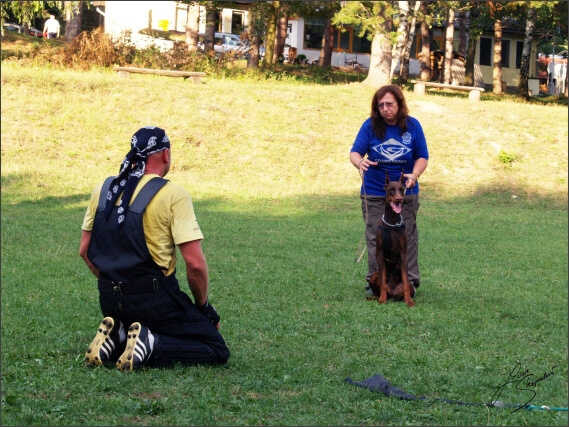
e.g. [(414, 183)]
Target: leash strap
[(362, 244)]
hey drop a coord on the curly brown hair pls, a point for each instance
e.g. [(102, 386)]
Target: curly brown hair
[(378, 123)]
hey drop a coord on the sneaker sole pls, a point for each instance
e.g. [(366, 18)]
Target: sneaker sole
[(92, 355), (126, 362)]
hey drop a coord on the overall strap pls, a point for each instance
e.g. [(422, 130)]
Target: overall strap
[(147, 193), (103, 196)]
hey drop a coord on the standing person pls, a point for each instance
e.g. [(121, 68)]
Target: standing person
[(132, 226), (390, 141), (51, 27)]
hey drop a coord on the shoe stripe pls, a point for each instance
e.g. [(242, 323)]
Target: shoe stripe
[(140, 351), (108, 347)]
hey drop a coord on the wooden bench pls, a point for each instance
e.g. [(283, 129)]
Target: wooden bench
[(194, 75), (473, 92)]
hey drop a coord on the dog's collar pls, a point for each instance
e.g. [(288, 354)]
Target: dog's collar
[(398, 225)]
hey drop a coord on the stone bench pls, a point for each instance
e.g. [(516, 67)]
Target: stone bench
[(473, 92), (194, 75)]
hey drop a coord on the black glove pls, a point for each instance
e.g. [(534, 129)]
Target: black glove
[(210, 312)]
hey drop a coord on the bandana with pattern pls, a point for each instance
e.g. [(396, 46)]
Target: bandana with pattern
[(144, 142)]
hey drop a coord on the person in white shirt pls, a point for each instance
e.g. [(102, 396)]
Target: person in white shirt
[(51, 27)]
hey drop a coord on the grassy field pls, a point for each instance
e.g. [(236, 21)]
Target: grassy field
[(266, 163)]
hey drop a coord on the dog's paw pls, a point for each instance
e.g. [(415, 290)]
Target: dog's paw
[(410, 303), (382, 300)]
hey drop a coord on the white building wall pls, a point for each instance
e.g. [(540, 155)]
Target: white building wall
[(134, 16), (125, 16), (295, 39)]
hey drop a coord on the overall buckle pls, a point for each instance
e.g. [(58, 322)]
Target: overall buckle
[(117, 288)]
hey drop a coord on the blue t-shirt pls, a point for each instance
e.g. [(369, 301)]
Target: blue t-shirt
[(395, 153)]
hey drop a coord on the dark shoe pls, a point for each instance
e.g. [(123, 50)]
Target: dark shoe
[(369, 292), (139, 344), (106, 342)]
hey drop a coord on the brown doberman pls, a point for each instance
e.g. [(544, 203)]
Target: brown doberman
[(391, 281)]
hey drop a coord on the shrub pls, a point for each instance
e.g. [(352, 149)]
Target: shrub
[(97, 49), (506, 158)]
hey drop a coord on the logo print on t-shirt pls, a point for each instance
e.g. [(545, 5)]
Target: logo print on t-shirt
[(391, 149)]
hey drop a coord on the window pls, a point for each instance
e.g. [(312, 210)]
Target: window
[(519, 53), (485, 51), (236, 22), (313, 33), (417, 47), (342, 39), (346, 41), (361, 44), (437, 40), (505, 62)]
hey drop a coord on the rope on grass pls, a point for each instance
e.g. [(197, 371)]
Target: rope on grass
[(362, 244), (379, 384)]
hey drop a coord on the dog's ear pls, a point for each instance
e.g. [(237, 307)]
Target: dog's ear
[(402, 178), (386, 178)]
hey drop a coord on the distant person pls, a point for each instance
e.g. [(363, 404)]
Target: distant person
[(390, 141), (51, 28), (261, 51), (132, 226)]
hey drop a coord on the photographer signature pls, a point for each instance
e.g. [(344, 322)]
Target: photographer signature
[(522, 380)]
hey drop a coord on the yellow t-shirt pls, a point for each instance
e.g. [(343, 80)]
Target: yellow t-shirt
[(168, 220)]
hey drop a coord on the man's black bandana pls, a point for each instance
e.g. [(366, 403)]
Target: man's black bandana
[(144, 142)]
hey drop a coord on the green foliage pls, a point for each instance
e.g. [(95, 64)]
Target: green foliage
[(367, 16), (506, 158), (24, 11), (317, 9)]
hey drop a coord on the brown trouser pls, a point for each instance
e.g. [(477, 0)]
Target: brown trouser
[(372, 211)]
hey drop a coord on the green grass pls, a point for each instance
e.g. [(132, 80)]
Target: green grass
[(267, 165)]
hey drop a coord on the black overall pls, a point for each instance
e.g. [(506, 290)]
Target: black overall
[(133, 288)]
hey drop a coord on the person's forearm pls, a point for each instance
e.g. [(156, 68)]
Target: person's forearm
[(196, 270), (355, 159), (420, 166), (198, 283), (83, 248)]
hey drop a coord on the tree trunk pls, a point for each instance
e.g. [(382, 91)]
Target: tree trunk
[(523, 89), (257, 28), (325, 59), (210, 27), (192, 26), (497, 69), (462, 33), (253, 58), (402, 32), (449, 38), (474, 35), (425, 58), (470, 58), (404, 73), (381, 55), (73, 18), (271, 34), (282, 27)]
